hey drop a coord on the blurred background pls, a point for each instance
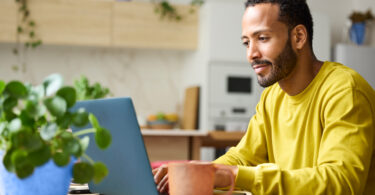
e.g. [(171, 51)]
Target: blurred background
[(139, 49)]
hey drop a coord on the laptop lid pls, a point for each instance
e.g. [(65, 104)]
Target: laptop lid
[(126, 158)]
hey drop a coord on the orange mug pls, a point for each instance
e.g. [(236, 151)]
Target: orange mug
[(194, 178)]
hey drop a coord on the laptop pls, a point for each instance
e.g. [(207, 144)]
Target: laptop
[(126, 158)]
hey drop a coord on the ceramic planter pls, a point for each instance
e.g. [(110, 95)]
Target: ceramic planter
[(46, 179), (357, 32)]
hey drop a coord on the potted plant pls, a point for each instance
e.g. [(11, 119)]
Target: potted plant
[(36, 144), (85, 91), (359, 22)]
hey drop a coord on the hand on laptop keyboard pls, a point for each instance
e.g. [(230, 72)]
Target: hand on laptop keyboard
[(161, 178)]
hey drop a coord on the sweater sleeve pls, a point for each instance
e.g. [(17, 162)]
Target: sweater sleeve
[(344, 154)]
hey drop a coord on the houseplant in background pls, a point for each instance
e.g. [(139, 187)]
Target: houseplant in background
[(26, 33), (85, 91), (167, 10), (359, 25), (34, 138)]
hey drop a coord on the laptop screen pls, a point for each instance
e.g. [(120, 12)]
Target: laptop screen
[(126, 158)]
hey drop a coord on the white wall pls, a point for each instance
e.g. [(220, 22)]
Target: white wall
[(151, 77), (338, 12)]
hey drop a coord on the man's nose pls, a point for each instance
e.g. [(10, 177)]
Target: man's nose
[(253, 52)]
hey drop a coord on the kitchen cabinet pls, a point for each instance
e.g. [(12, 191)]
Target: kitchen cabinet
[(8, 21), (73, 22), (136, 25), (102, 23)]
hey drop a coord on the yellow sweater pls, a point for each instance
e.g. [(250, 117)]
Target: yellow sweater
[(317, 142)]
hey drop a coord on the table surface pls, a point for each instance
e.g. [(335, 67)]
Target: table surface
[(216, 192), (172, 132)]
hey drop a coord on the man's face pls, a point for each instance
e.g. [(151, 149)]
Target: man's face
[(269, 49)]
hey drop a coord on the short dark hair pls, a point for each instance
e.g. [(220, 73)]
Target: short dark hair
[(292, 13)]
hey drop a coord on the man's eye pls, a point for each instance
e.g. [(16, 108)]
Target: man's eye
[(263, 38), (245, 43)]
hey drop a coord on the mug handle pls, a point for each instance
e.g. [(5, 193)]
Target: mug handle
[(231, 179)]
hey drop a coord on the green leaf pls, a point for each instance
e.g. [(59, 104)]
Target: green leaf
[(94, 122), (10, 103), (83, 172), (69, 94), (33, 142), (26, 119), (23, 167), (41, 156), (61, 158), (16, 89), (66, 135), (2, 86), (7, 161), (19, 29), (41, 121), (52, 83), (15, 125), (34, 109), (24, 138), (56, 106), (80, 118), (37, 93), (31, 23), (85, 141), (100, 172), (3, 125), (48, 131), (81, 85), (103, 138), (72, 146), (9, 115), (64, 121), (32, 34)]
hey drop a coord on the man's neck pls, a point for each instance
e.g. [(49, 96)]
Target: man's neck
[(306, 69)]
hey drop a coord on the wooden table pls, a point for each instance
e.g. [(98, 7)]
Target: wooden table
[(163, 145), (222, 139)]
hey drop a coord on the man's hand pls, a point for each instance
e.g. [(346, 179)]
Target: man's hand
[(161, 178), (222, 175)]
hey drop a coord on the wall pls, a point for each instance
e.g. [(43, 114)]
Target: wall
[(150, 77)]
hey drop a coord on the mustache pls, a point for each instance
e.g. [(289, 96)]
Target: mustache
[(257, 62)]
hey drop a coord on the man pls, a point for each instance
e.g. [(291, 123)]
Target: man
[(313, 131)]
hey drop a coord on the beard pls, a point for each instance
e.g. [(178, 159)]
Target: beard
[(283, 66)]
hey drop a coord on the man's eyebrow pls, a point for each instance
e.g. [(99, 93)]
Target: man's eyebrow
[(243, 37), (256, 33)]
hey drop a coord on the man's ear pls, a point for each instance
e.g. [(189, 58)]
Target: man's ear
[(299, 36)]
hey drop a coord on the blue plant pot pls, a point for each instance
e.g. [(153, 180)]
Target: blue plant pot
[(47, 179), (358, 32)]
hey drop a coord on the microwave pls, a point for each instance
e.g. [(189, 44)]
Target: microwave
[(233, 93)]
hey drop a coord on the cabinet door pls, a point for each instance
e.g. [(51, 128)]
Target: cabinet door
[(72, 22), (136, 25), (8, 18)]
